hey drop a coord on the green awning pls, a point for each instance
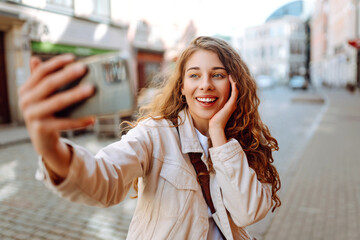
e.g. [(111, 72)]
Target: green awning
[(46, 47)]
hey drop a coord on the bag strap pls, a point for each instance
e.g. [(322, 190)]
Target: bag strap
[(202, 175), (203, 178)]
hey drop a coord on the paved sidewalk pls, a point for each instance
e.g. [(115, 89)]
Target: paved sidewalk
[(10, 134), (322, 201), (30, 211)]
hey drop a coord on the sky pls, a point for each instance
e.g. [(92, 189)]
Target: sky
[(224, 17), (238, 15)]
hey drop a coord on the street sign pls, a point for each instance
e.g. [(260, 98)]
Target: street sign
[(355, 43)]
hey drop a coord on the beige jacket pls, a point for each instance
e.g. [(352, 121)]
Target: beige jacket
[(170, 203)]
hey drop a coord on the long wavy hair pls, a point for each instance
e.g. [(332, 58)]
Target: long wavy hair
[(244, 125)]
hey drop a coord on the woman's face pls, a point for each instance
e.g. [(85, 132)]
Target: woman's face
[(205, 85)]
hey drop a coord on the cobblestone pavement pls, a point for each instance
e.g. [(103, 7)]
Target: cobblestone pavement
[(292, 117), (323, 199), (29, 211)]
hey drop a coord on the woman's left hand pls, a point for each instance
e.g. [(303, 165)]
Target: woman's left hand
[(218, 122)]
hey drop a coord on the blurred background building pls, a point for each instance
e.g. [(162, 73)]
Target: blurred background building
[(278, 48), (334, 62), (46, 28), (316, 41), (147, 52)]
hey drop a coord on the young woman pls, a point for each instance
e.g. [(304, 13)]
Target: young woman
[(205, 116)]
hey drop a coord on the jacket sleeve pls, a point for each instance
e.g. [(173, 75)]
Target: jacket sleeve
[(104, 179), (244, 196)]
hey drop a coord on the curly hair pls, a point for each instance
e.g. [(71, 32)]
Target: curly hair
[(245, 124)]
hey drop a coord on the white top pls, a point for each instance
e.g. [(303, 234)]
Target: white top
[(214, 232)]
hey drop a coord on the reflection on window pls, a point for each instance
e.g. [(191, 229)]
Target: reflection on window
[(114, 71)]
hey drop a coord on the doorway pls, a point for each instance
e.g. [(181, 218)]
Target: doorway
[(4, 100)]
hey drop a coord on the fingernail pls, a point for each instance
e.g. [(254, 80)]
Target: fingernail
[(67, 58), (91, 120), (79, 67), (88, 87)]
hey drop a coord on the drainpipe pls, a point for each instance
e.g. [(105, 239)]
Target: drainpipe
[(357, 18), (357, 37)]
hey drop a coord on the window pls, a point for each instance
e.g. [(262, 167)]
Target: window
[(61, 6), (62, 3), (94, 10), (296, 47), (271, 51), (101, 8)]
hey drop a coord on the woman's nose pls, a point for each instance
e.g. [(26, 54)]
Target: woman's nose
[(206, 83)]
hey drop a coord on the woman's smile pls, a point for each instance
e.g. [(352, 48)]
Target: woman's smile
[(206, 101)]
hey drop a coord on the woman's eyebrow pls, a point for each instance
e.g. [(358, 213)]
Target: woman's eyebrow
[(192, 68), (197, 68), (216, 68)]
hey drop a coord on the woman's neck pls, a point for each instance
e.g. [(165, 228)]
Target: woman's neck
[(202, 126)]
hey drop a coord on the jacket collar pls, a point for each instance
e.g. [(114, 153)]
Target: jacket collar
[(188, 137)]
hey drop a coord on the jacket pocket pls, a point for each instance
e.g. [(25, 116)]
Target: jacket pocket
[(179, 177), (178, 186)]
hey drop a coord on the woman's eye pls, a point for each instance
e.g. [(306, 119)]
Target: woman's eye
[(219, 75), (194, 75)]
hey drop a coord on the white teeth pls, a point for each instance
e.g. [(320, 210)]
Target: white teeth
[(206, 99)]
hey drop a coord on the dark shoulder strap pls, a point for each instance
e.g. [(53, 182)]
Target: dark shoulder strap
[(202, 174), (203, 178)]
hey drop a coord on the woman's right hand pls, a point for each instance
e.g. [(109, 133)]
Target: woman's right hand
[(38, 104)]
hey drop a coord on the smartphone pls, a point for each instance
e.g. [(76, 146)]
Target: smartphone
[(114, 83)]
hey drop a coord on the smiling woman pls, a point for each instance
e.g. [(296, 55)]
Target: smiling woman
[(200, 159), (206, 87)]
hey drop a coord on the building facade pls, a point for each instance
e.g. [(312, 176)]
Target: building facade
[(333, 60), (278, 48), (148, 51), (46, 28)]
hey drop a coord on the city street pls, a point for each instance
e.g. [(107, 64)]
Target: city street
[(303, 55), (292, 117), (29, 211)]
